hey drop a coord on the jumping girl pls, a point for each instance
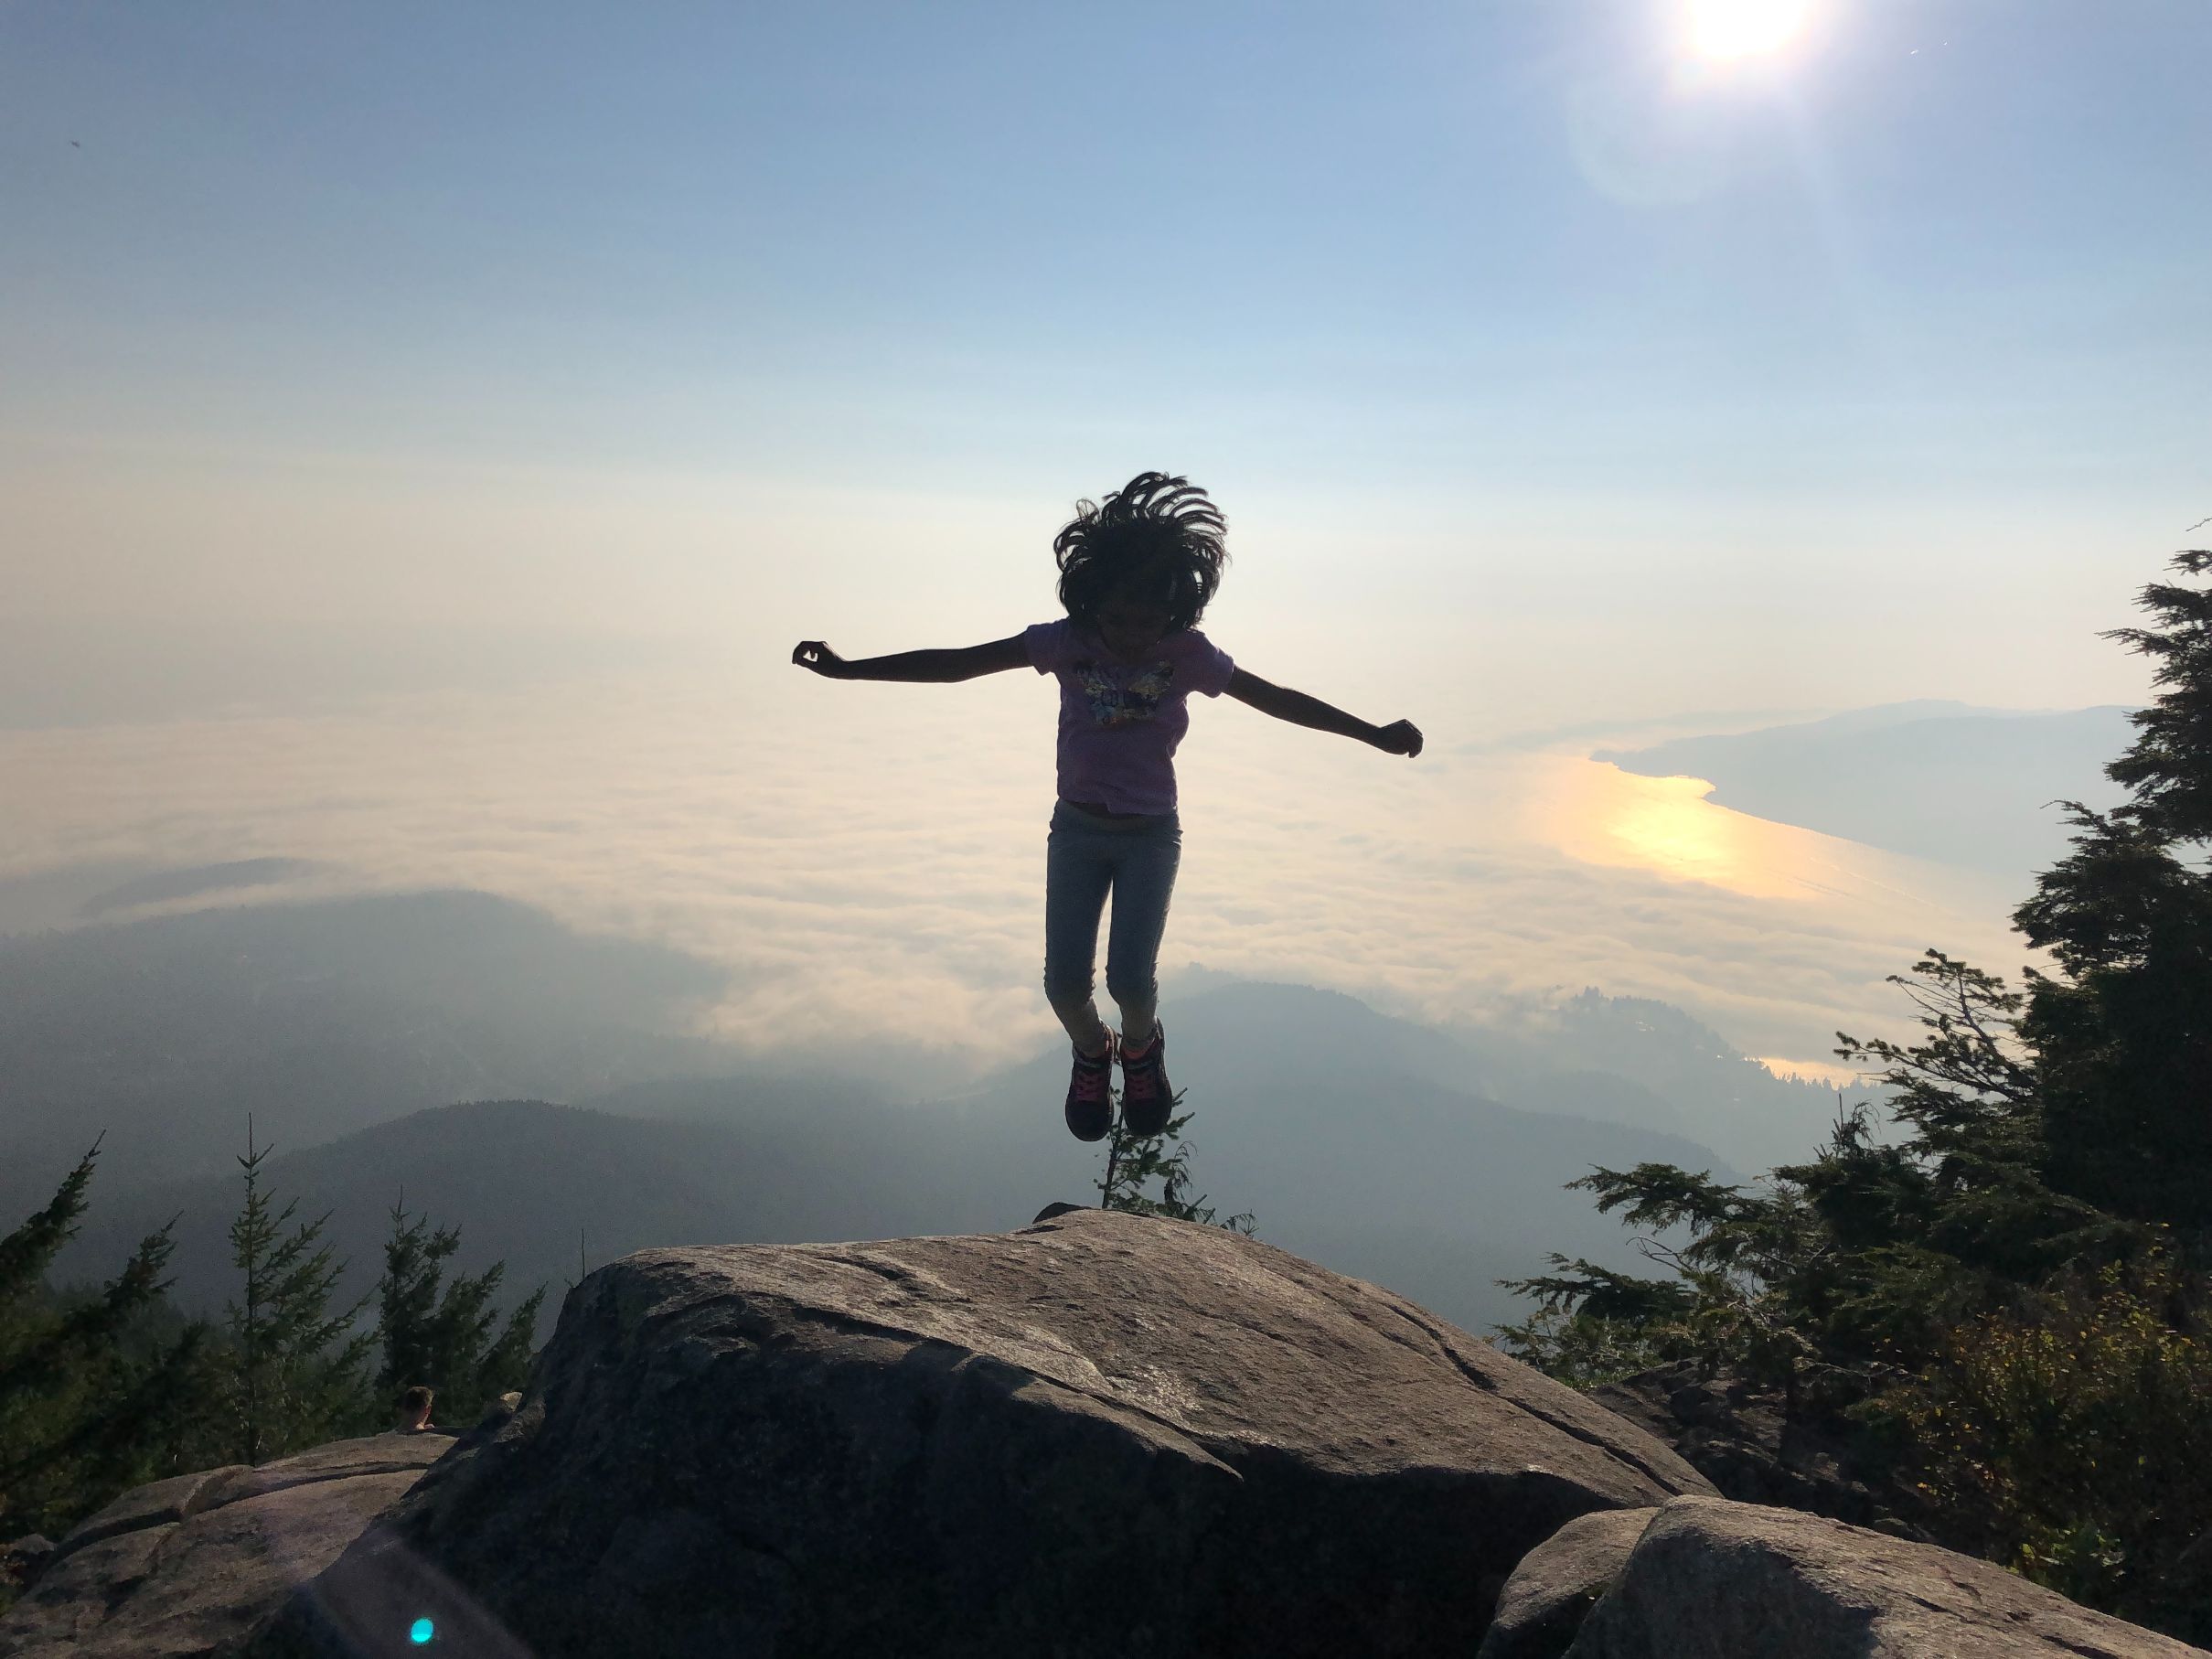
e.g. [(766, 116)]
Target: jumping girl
[(1136, 574)]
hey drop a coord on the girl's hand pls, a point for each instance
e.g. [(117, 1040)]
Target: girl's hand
[(813, 654), (1401, 737)]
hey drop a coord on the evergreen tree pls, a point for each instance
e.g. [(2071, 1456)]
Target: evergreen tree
[(86, 1408), (2169, 765), (2124, 1038), (1866, 1254), (1133, 1164), (407, 1302), (297, 1378), (441, 1334)]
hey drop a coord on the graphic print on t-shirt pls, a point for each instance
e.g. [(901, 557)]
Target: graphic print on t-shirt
[(1113, 703)]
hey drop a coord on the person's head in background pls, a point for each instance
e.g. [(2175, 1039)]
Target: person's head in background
[(414, 1409)]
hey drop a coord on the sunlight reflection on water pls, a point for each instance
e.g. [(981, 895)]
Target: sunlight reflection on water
[(1594, 811), (1599, 814)]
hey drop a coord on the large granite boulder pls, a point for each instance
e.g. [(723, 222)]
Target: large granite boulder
[(1710, 1578), (1102, 1434), (197, 1564), (1552, 1591)]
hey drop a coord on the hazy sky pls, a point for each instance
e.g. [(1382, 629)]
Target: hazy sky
[(1884, 355), (1549, 370)]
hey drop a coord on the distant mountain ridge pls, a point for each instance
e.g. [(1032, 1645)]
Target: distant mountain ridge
[(1353, 1136), (165, 886), (328, 1017), (547, 1187), (1428, 1158), (319, 1018), (1433, 1194)]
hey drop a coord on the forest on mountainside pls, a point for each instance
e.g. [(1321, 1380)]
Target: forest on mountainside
[(104, 1389)]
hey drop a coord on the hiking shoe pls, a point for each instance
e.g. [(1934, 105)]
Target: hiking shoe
[(1145, 1097), (1090, 1110)]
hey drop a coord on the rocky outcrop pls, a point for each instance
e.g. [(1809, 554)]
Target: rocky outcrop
[(1715, 1580), (161, 1503), (1102, 1434), (1557, 1583), (1757, 1445), (197, 1564)]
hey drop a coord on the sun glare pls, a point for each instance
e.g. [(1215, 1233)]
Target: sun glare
[(1722, 31)]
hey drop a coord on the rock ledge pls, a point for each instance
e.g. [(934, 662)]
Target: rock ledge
[(1102, 1434)]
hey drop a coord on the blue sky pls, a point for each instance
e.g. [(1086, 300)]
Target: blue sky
[(1455, 294)]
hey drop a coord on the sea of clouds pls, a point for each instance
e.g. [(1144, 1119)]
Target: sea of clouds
[(866, 860)]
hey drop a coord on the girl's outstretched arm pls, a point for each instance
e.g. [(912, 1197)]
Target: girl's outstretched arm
[(921, 667), (1400, 737)]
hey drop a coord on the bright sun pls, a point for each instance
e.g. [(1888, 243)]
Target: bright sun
[(1724, 30)]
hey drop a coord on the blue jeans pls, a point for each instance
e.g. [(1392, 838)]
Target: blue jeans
[(1086, 857)]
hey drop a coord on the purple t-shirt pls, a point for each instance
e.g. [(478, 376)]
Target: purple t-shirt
[(1120, 723)]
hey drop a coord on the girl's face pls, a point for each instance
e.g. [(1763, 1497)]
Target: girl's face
[(1131, 625)]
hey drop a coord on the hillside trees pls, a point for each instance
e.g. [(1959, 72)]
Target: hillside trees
[(1866, 1253), (441, 1334), (106, 1387), (2015, 1288), (85, 1410)]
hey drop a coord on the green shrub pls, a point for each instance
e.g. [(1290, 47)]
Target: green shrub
[(1585, 1349), (2075, 1434)]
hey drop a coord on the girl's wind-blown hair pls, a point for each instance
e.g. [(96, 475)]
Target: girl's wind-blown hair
[(1155, 537)]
